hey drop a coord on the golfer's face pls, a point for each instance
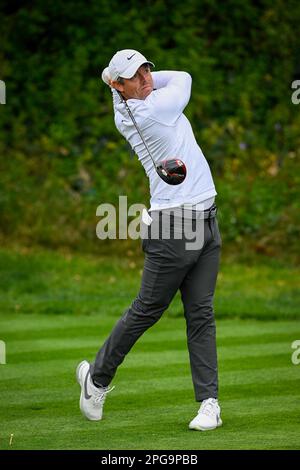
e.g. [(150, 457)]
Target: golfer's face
[(140, 85)]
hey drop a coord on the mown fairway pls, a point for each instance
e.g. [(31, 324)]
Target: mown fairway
[(153, 401)]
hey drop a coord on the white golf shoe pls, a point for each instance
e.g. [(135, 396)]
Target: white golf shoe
[(92, 398), (208, 417)]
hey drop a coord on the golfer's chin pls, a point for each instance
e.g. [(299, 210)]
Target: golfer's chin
[(146, 91)]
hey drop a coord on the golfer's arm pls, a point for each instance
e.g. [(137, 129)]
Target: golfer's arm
[(172, 91), (162, 79)]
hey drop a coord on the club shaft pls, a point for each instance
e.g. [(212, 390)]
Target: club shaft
[(137, 128)]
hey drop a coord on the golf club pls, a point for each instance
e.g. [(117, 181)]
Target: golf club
[(171, 171)]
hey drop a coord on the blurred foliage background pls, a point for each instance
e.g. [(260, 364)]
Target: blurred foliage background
[(61, 154)]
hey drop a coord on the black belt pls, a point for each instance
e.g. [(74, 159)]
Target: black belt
[(191, 213), (206, 214)]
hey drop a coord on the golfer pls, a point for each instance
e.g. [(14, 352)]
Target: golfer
[(157, 101)]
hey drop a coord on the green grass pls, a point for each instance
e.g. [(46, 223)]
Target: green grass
[(153, 400), (50, 282), (56, 309)]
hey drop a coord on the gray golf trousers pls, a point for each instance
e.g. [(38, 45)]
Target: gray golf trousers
[(170, 266)]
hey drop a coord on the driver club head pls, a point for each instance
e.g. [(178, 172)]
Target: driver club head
[(172, 171)]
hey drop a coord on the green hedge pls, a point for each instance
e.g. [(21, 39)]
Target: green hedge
[(60, 153)]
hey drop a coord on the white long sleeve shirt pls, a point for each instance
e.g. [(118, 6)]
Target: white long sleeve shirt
[(168, 134)]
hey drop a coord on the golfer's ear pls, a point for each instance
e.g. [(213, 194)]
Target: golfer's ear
[(116, 85)]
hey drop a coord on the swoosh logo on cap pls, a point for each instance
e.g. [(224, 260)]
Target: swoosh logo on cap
[(128, 58), (87, 396)]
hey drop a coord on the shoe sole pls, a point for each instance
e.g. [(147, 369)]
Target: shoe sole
[(199, 428), (78, 378), (77, 372)]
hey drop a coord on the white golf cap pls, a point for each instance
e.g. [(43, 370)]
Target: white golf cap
[(124, 64)]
